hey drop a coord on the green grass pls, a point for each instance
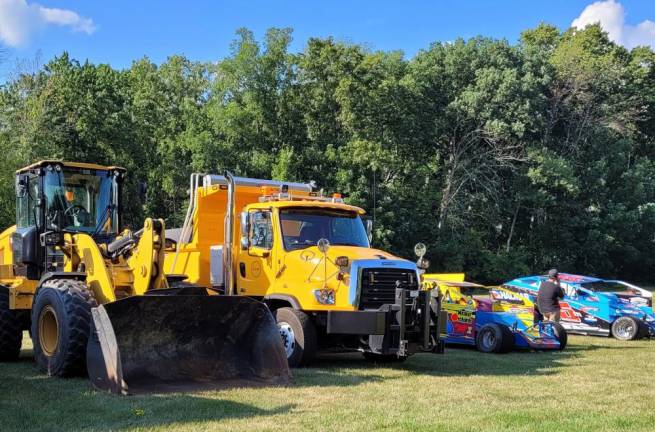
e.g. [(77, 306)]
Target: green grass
[(598, 384)]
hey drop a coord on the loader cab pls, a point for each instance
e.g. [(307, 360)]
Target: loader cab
[(54, 198)]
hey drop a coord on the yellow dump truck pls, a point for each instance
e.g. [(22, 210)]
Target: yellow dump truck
[(94, 296), (308, 257)]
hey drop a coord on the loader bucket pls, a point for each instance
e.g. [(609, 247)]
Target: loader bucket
[(163, 343)]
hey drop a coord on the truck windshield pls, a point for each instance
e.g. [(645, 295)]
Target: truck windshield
[(303, 227), (81, 200)]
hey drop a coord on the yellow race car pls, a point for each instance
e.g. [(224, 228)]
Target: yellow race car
[(493, 319)]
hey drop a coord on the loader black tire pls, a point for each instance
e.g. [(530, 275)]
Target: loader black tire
[(302, 350), (11, 332), (61, 317)]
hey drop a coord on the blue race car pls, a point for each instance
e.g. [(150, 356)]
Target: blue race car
[(597, 307)]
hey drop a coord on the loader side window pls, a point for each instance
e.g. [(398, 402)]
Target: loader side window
[(261, 230), (27, 210)]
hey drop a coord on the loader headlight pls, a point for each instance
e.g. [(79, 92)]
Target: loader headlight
[(324, 296)]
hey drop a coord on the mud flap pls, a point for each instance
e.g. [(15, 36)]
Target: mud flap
[(161, 343)]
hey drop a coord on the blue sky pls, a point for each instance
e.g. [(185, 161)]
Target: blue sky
[(118, 31)]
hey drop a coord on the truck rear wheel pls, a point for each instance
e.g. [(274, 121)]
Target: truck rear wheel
[(298, 336), (61, 318), (11, 333), (626, 328), (494, 338)]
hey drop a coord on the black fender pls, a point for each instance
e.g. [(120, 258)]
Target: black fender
[(284, 297)]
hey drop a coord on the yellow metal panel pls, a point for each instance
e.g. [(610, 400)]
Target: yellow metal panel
[(98, 277), (446, 277)]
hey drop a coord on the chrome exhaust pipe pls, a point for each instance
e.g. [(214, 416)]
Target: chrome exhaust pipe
[(228, 278)]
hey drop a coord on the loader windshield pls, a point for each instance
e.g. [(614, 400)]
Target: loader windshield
[(81, 200), (303, 227)]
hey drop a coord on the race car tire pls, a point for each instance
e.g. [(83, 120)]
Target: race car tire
[(626, 328), (494, 338), (560, 333)]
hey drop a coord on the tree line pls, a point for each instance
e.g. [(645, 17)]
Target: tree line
[(504, 159)]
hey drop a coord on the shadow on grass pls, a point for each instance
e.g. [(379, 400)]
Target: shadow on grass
[(72, 404), (352, 369)]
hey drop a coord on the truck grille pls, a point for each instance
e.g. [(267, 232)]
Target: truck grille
[(378, 286)]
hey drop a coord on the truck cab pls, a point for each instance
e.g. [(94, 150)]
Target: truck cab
[(308, 257)]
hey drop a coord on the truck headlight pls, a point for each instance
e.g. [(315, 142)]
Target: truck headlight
[(324, 296)]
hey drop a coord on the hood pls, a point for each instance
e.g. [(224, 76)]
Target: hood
[(309, 266), (313, 255)]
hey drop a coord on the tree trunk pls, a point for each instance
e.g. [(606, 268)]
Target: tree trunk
[(511, 228)]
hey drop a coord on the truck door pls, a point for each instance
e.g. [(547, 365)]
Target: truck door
[(255, 272)]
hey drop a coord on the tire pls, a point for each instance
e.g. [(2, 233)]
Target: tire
[(383, 358), (61, 318), (494, 338), (11, 330), (560, 333), (626, 328), (298, 336)]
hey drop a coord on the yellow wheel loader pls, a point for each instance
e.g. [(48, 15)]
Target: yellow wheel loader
[(94, 297), (308, 257)]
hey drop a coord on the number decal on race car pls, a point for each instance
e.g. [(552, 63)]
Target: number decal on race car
[(567, 313)]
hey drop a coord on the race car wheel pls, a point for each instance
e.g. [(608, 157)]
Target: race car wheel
[(626, 328), (560, 333), (494, 338)]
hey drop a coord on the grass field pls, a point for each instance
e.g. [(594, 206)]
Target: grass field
[(597, 384)]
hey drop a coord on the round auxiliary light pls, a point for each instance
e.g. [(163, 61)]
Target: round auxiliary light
[(323, 245), (420, 249), (341, 261)]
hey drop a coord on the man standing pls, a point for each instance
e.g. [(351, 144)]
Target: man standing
[(550, 292)]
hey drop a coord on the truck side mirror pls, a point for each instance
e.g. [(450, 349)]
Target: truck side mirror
[(369, 229), (245, 227)]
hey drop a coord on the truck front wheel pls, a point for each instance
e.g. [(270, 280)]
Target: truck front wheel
[(298, 336)]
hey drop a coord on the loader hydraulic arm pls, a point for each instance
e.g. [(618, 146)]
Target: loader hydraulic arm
[(131, 264), (147, 258)]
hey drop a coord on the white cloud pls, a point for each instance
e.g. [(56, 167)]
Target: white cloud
[(19, 20), (611, 16)]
